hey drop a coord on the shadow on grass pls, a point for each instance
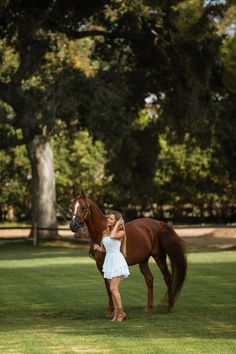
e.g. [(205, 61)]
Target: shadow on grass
[(90, 322)]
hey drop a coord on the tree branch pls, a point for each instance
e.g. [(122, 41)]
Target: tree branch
[(82, 34), (31, 51)]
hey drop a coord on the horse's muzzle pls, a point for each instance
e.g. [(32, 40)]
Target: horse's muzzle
[(76, 224)]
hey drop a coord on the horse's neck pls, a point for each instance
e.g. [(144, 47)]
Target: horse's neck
[(96, 222)]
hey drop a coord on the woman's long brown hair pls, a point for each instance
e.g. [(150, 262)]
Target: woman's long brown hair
[(117, 215)]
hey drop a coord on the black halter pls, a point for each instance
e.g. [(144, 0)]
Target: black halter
[(76, 223)]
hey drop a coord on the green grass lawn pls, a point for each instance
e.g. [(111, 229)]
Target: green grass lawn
[(53, 301), (14, 224)]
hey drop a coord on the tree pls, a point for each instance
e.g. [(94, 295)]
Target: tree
[(26, 32), (15, 175), (171, 49), (168, 48), (79, 165)]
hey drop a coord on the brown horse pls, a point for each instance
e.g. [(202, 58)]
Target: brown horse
[(145, 237)]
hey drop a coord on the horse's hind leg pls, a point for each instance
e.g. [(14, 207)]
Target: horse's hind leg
[(144, 268), (161, 262)]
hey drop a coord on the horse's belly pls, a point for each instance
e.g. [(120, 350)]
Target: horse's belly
[(142, 240), (139, 251)]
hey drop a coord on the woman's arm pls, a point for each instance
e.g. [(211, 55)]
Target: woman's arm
[(118, 235)]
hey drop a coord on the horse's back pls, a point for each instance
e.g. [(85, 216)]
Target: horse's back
[(143, 226)]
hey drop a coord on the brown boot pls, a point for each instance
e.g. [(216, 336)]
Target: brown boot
[(121, 315), (115, 314)]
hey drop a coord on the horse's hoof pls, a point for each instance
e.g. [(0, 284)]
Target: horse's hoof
[(170, 309), (148, 309)]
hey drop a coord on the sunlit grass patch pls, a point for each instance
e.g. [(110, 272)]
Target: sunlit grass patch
[(53, 301)]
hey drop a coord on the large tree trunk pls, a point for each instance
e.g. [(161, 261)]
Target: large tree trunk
[(43, 185)]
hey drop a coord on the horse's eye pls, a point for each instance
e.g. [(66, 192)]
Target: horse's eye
[(83, 207)]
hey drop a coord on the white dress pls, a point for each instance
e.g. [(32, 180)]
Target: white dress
[(114, 264)]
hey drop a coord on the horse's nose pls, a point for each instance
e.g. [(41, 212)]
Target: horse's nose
[(75, 224)]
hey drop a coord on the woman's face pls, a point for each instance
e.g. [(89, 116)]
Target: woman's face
[(111, 220)]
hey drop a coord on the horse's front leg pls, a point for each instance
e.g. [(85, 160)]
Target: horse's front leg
[(110, 309)]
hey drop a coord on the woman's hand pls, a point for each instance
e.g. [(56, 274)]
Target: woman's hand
[(120, 222), (98, 248)]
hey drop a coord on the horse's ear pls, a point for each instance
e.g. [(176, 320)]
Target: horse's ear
[(83, 194)]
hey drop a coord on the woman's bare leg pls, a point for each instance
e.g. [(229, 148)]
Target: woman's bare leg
[(114, 288), (115, 305)]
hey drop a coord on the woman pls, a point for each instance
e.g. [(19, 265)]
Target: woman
[(115, 267)]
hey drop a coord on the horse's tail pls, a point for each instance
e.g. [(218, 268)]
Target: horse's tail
[(174, 247)]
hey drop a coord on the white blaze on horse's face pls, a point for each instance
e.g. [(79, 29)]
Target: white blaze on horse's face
[(75, 209)]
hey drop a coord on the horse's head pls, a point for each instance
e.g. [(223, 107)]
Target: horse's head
[(80, 212)]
